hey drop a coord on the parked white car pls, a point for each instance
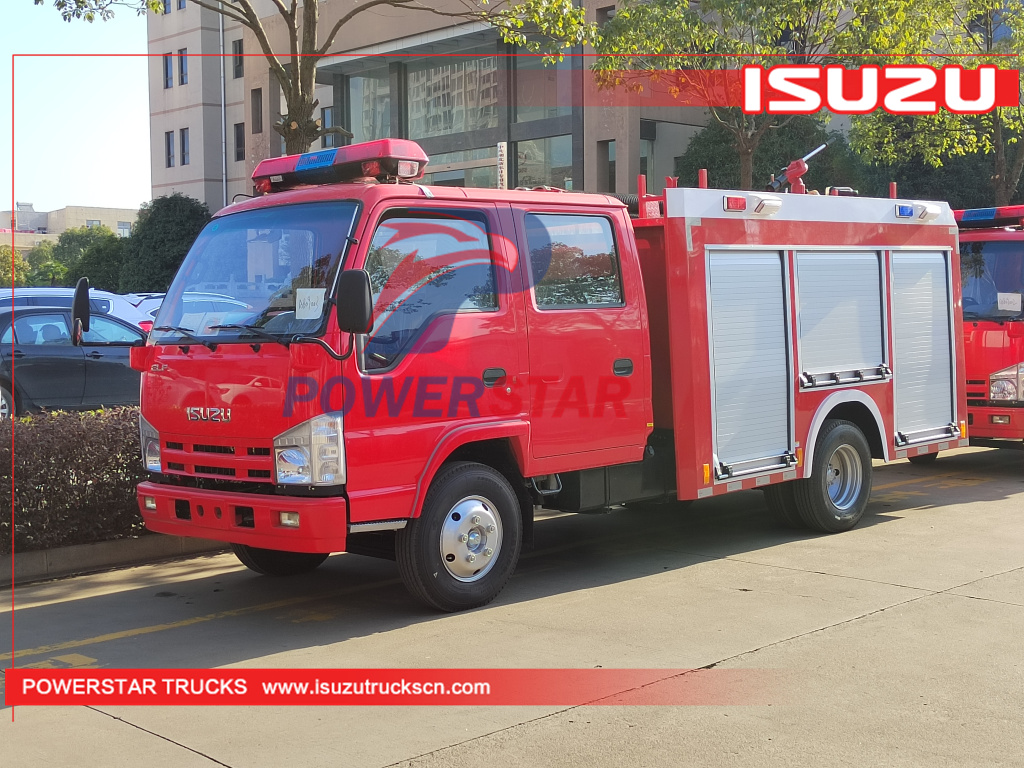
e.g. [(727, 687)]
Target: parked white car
[(101, 302), (195, 301)]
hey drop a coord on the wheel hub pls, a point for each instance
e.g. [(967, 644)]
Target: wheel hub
[(470, 538), (844, 477)]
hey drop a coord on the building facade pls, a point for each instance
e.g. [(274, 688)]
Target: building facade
[(31, 227), (456, 89)]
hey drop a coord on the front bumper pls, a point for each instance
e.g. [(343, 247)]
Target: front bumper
[(246, 518), (981, 424)]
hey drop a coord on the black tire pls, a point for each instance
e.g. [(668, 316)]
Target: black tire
[(923, 458), (468, 499), (834, 497), (782, 504), (273, 562), (7, 407)]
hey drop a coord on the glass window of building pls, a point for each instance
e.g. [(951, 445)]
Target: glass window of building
[(545, 162), (184, 146), (124, 228), (169, 149), (465, 168), (239, 142), (168, 70), (90, 223), (256, 99), (369, 99), (182, 66), (452, 95), (181, 5), (327, 121), (542, 91), (237, 59)]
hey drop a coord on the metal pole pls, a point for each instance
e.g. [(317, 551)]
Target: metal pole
[(223, 119)]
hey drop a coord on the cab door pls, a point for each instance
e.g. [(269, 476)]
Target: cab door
[(109, 378), (589, 358)]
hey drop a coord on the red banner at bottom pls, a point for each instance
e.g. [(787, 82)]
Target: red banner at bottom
[(401, 687)]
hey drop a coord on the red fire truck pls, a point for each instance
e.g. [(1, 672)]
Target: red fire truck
[(418, 368), (992, 260)]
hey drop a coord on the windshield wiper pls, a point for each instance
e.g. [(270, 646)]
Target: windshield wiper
[(187, 333), (254, 330)]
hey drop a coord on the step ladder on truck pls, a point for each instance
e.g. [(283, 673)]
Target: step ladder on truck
[(419, 367)]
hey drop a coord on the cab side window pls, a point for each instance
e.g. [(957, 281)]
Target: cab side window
[(424, 266), (574, 261), (102, 330)]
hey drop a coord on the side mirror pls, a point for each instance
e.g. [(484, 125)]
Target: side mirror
[(354, 303), (80, 311)]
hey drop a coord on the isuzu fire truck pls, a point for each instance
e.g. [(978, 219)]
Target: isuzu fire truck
[(419, 368), (992, 261)]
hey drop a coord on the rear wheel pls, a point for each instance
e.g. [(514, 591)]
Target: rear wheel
[(834, 497), (272, 562), (462, 549), (782, 504), (6, 403), (923, 458)]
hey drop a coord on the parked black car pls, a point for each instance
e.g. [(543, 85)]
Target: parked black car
[(49, 372)]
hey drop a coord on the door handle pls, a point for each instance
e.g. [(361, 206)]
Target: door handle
[(622, 367), (94, 355), (17, 353), (493, 376)]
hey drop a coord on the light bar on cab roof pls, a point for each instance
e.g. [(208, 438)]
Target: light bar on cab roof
[(1004, 216), (399, 159)]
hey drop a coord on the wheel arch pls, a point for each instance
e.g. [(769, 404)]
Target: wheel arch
[(854, 406), (19, 401)]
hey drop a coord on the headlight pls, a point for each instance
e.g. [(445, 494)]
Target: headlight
[(312, 453), (150, 440), (1007, 384)]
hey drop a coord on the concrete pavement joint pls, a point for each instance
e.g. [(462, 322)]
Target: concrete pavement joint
[(157, 735)]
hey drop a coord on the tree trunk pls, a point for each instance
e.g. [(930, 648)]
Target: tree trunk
[(746, 167)]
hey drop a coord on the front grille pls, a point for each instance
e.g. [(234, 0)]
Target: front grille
[(176, 466), (258, 451), (213, 449), (977, 382), (265, 473), (176, 446), (224, 471)]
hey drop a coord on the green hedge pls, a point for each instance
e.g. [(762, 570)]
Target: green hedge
[(74, 478)]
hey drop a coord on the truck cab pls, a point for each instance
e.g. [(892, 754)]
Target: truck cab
[(992, 266)]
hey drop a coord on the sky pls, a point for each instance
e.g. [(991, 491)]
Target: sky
[(81, 122)]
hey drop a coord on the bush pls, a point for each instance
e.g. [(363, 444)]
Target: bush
[(74, 478)]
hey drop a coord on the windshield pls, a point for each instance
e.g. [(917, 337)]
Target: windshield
[(272, 269), (993, 278)]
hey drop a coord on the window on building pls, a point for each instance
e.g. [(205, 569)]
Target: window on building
[(542, 91), (574, 261), (605, 14), (90, 223), (256, 103), (169, 149), (459, 94), (184, 145), (545, 162), (239, 142), (167, 7), (168, 70), (606, 166), (237, 58), (446, 272), (124, 228), (181, 5), (327, 121), (182, 66), (369, 99)]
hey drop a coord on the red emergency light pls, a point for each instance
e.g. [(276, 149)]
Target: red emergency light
[(384, 160), (1003, 216)]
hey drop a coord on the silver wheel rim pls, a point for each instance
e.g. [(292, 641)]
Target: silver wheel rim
[(844, 477), (470, 539), (5, 409)]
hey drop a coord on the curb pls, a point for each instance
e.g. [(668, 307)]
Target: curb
[(46, 564)]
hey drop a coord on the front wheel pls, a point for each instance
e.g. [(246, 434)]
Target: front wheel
[(834, 497), (272, 562), (462, 549), (6, 403)]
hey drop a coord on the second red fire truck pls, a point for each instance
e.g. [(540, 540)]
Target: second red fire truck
[(419, 368)]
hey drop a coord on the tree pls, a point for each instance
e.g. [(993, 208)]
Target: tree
[(41, 254), (161, 236), (554, 26), (12, 263), (650, 36), (74, 242), (973, 33), (101, 263), (50, 273)]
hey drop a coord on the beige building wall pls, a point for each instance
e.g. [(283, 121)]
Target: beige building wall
[(81, 216)]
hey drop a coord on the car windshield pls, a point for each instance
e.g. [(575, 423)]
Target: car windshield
[(993, 278), (272, 269)]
